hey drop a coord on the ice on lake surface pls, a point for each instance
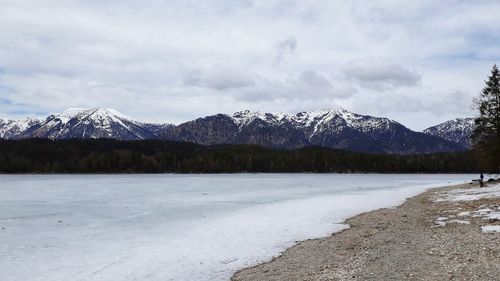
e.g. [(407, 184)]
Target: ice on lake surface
[(177, 227)]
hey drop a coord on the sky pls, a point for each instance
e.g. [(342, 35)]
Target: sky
[(417, 62)]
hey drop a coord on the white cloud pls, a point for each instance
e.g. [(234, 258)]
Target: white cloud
[(177, 60)]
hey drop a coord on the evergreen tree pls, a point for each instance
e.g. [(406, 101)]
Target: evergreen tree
[(155, 156), (486, 136)]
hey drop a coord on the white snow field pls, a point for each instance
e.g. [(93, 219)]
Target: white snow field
[(469, 194), (177, 227)]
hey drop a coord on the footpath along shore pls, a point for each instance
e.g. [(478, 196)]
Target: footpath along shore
[(450, 233)]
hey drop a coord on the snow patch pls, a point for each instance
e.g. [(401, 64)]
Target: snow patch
[(14, 127), (469, 194), (459, 221), (314, 122), (490, 229)]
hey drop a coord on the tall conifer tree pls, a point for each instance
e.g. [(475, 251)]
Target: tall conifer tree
[(486, 136)]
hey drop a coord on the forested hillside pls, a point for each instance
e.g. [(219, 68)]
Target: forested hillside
[(155, 156)]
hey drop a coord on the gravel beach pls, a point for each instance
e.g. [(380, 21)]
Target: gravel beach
[(443, 234)]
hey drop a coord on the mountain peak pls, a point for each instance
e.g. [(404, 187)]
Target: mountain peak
[(333, 109), (98, 112), (96, 122), (246, 113), (245, 117), (102, 111), (457, 130)]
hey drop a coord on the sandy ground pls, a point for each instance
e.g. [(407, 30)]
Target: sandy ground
[(404, 243)]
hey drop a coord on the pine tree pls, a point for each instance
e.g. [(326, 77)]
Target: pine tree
[(486, 136)]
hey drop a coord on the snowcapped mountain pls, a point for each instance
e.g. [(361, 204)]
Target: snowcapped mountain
[(84, 123), (458, 130), (331, 127), (12, 128)]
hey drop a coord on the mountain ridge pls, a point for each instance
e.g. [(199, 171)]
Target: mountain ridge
[(332, 127), (457, 130)]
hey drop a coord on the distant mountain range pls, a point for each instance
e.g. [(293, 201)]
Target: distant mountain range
[(332, 127), (81, 123), (458, 130)]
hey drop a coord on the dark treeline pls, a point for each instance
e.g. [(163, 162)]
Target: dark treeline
[(155, 156)]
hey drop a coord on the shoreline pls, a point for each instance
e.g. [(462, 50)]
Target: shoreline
[(405, 242), (243, 173)]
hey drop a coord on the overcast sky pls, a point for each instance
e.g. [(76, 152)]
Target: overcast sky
[(417, 62)]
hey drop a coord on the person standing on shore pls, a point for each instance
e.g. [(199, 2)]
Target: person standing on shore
[(481, 178)]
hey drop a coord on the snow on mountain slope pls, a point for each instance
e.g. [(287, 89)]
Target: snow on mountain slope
[(12, 128), (245, 117), (81, 123), (314, 121), (458, 130), (332, 127)]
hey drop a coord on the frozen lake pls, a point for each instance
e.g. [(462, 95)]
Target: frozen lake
[(177, 227)]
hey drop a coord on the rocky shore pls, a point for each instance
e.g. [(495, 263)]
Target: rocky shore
[(447, 233)]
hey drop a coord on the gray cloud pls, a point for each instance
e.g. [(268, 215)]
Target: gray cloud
[(283, 47), (380, 75), (317, 84), (310, 86), (411, 107), (220, 79)]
